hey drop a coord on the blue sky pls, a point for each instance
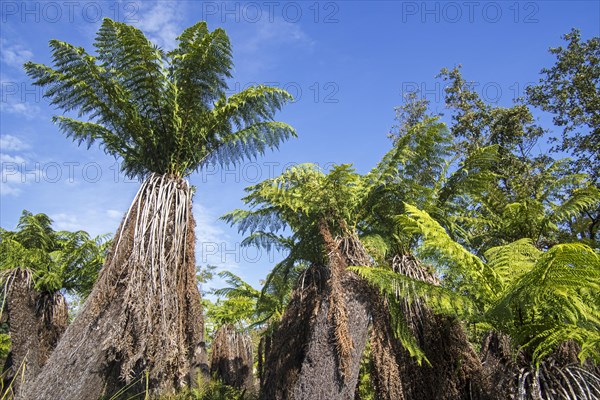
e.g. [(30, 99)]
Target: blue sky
[(346, 62)]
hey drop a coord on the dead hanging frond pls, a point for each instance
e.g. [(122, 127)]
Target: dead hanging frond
[(551, 381), (232, 359), (341, 252), (54, 310), (353, 250), (151, 251), (406, 264), (7, 277)]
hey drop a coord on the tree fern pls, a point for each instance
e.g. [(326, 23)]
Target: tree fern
[(160, 112)]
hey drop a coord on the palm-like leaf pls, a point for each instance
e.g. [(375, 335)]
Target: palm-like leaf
[(162, 113)]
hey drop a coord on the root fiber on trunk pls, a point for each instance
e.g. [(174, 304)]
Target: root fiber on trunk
[(385, 375), (317, 347), (455, 371), (231, 359), (559, 377), (36, 322), (142, 324)]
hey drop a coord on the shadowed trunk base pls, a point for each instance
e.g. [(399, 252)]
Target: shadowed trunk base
[(36, 323), (559, 376), (456, 371), (142, 324), (231, 358), (385, 375), (317, 348), (303, 361)]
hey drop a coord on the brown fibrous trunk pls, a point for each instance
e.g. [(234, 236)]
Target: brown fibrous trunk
[(142, 324), (231, 359), (36, 322), (455, 371), (385, 375), (317, 346)]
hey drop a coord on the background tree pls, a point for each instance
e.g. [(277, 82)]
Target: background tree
[(570, 90), (413, 347), (166, 115), (525, 194), (37, 265), (232, 348), (317, 346)]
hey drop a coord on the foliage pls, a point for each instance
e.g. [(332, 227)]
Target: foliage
[(525, 195), (570, 89), (56, 260), (539, 298), (239, 304), (161, 112), (211, 390)]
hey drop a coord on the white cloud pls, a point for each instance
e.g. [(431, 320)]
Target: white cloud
[(258, 44), (213, 245), (12, 178), (115, 214), (11, 181), (14, 55), (20, 108), (162, 23), (66, 222), (277, 33), (12, 143), (7, 158)]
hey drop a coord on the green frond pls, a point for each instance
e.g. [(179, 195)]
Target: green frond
[(441, 300), (161, 113), (583, 199), (268, 241), (513, 260), (477, 276)]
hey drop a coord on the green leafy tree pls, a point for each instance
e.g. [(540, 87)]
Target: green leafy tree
[(232, 348), (570, 90), (165, 115), (524, 195)]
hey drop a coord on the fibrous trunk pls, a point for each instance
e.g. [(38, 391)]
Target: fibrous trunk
[(317, 347), (455, 371), (36, 322), (231, 358), (142, 325), (385, 375), (559, 376)]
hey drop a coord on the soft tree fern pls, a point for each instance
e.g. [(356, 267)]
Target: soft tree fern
[(540, 299), (161, 112), (166, 115)]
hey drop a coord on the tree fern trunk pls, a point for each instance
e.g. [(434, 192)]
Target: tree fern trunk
[(231, 358), (456, 371), (142, 323), (317, 347), (385, 375), (36, 322)]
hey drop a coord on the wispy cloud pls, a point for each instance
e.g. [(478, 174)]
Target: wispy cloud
[(257, 46), (12, 143), (114, 214), (162, 22), (267, 34), (23, 109), (11, 176), (11, 181), (7, 158), (14, 55)]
